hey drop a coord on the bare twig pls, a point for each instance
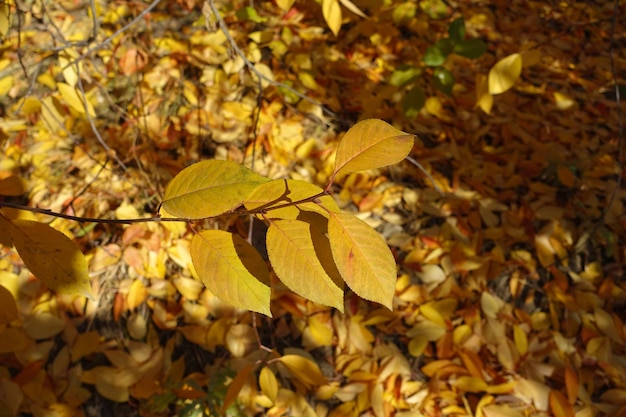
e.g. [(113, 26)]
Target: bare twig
[(117, 33), (222, 24)]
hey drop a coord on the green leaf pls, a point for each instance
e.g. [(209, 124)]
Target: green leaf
[(274, 196), (413, 101), (435, 9), (505, 73), (471, 48), (209, 188), (250, 13), (403, 75), (436, 55), (371, 144), (232, 270), (292, 253), (443, 80), (52, 257), (456, 30), (363, 258), (403, 13)]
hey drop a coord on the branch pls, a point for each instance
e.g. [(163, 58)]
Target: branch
[(222, 24)]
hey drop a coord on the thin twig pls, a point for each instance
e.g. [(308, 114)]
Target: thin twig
[(117, 33), (252, 68), (432, 180)]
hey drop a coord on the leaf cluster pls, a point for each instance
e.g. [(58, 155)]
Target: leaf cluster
[(406, 76), (312, 247)]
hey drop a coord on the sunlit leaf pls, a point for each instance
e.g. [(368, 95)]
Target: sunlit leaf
[(209, 188), (268, 383), (74, 100), (285, 5), (250, 13), (363, 258), (304, 369), (52, 257), (292, 253), (470, 48), (332, 14), (403, 75), (232, 270), (484, 99), (275, 198), (443, 80), (13, 186), (353, 8), (371, 144), (505, 73)]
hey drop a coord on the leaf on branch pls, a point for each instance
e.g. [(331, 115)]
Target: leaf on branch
[(505, 73), (363, 258), (332, 15), (209, 188), (371, 144), (232, 270), (291, 247), (274, 196), (52, 257)]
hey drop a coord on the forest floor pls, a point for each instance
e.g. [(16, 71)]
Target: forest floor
[(510, 244)]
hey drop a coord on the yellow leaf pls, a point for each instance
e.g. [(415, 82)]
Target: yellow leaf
[(363, 258), (268, 383), (291, 248), (275, 196), (321, 333), (85, 344), (235, 387), (304, 369), (209, 188), (505, 73), (470, 384), (484, 99), (285, 5), (8, 308), (350, 6), (52, 257), (371, 144), (521, 340), (13, 186), (491, 305), (5, 231), (5, 18), (74, 100), (232, 270), (332, 14)]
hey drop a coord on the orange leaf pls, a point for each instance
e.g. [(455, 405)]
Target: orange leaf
[(559, 405), (235, 387)]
